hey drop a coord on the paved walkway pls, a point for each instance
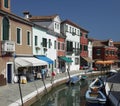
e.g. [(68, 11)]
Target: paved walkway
[(10, 95)]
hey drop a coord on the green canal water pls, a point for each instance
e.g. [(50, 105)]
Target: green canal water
[(65, 95)]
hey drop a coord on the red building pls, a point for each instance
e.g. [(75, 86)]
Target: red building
[(104, 53), (84, 59), (117, 44), (61, 51)]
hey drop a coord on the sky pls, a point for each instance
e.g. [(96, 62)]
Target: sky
[(100, 17)]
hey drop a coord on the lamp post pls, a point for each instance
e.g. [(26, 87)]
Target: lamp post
[(19, 75), (68, 70)]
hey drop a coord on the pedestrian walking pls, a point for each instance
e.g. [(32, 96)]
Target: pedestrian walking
[(46, 72), (53, 76), (43, 74)]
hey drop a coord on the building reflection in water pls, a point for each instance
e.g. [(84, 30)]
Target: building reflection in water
[(65, 96)]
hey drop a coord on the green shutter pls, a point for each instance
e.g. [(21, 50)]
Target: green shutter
[(28, 38), (5, 29), (18, 35), (36, 40), (49, 43), (54, 44), (6, 3), (44, 43)]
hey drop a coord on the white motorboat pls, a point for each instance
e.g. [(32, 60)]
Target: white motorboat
[(97, 83), (95, 97)]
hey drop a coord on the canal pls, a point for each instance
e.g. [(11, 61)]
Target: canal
[(65, 95)]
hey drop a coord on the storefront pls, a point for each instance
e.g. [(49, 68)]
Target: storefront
[(28, 66), (63, 61)]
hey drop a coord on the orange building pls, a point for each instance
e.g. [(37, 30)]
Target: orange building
[(15, 40)]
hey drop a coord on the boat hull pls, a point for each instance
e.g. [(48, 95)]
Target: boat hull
[(95, 97), (97, 83)]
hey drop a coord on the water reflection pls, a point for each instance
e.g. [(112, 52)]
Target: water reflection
[(65, 96)]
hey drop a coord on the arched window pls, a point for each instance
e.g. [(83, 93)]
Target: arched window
[(6, 3), (5, 28)]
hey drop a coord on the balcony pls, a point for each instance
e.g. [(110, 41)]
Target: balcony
[(8, 46)]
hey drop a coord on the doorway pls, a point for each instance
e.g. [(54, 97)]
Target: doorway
[(9, 72)]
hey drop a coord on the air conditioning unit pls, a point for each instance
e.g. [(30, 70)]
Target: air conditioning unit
[(8, 46)]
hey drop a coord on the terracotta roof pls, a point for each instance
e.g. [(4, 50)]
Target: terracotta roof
[(42, 18), (97, 43), (73, 24), (117, 43), (15, 17)]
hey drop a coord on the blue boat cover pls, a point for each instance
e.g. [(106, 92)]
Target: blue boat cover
[(44, 58), (74, 79)]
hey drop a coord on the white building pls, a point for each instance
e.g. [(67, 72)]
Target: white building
[(45, 33), (72, 32)]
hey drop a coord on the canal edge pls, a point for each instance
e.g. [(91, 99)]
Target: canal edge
[(33, 96)]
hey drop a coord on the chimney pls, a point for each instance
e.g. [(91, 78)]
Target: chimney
[(26, 14)]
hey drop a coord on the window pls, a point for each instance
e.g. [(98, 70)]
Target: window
[(70, 29), (5, 29), (78, 32), (50, 43), (58, 45), (63, 46), (55, 25), (44, 42), (81, 34), (66, 27), (58, 26), (106, 52), (6, 3), (85, 47), (36, 40), (98, 51), (55, 44), (28, 38), (69, 46), (19, 36), (76, 61), (86, 35), (75, 31), (80, 47)]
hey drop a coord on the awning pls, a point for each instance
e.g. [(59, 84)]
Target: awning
[(66, 59), (104, 62), (88, 59), (44, 58), (28, 61), (116, 60)]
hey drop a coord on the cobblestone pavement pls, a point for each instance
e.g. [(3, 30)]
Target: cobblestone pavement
[(10, 95)]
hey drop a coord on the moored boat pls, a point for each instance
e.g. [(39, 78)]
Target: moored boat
[(97, 83), (95, 97), (83, 77), (73, 80)]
